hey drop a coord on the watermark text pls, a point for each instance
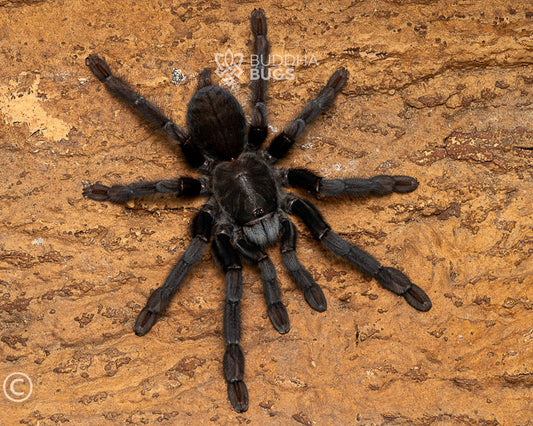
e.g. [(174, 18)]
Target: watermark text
[(269, 67)]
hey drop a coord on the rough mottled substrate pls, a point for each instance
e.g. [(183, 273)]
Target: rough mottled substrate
[(438, 90)]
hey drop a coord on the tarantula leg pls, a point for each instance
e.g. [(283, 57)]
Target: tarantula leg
[(390, 278), (204, 79), (161, 297), (185, 186), (281, 144), (258, 130), (312, 291), (148, 110), (377, 185), (276, 309), (228, 258)]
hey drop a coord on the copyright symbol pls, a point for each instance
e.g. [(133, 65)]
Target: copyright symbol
[(17, 387)]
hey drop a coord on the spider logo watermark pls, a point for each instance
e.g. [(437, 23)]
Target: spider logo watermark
[(271, 67), (229, 65), (17, 387)]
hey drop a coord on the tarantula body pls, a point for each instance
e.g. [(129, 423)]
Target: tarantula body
[(248, 208)]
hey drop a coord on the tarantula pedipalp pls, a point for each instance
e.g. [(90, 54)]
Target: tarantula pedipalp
[(247, 207)]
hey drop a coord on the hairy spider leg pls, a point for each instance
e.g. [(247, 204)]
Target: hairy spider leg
[(312, 292), (390, 278), (161, 297), (377, 185), (258, 130), (184, 186), (228, 258), (281, 144), (148, 110), (275, 307)]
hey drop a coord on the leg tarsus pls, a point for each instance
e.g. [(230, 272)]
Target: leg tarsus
[(145, 321), (279, 317), (99, 67), (97, 192), (417, 298), (117, 194), (276, 310), (238, 395), (315, 298), (397, 282), (258, 21), (398, 183), (338, 79)]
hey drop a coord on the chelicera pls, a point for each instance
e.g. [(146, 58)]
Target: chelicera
[(247, 207)]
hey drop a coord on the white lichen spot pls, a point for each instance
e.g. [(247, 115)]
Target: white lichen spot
[(177, 76), (38, 242)]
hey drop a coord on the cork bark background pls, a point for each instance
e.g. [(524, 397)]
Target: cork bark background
[(438, 90)]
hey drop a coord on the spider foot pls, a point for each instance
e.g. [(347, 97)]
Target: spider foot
[(279, 317), (97, 192), (315, 298), (400, 184), (338, 79), (115, 193), (259, 25), (99, 67), (145, 321), (156, 303), (238, 395), (397, 282), (417, 298)]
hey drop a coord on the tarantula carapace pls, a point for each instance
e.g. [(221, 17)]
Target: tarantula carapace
[(247, 208)]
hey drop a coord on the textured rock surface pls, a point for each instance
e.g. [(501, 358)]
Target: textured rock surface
[(439, 90)]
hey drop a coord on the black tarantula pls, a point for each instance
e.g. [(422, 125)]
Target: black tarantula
[(247, 207)]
